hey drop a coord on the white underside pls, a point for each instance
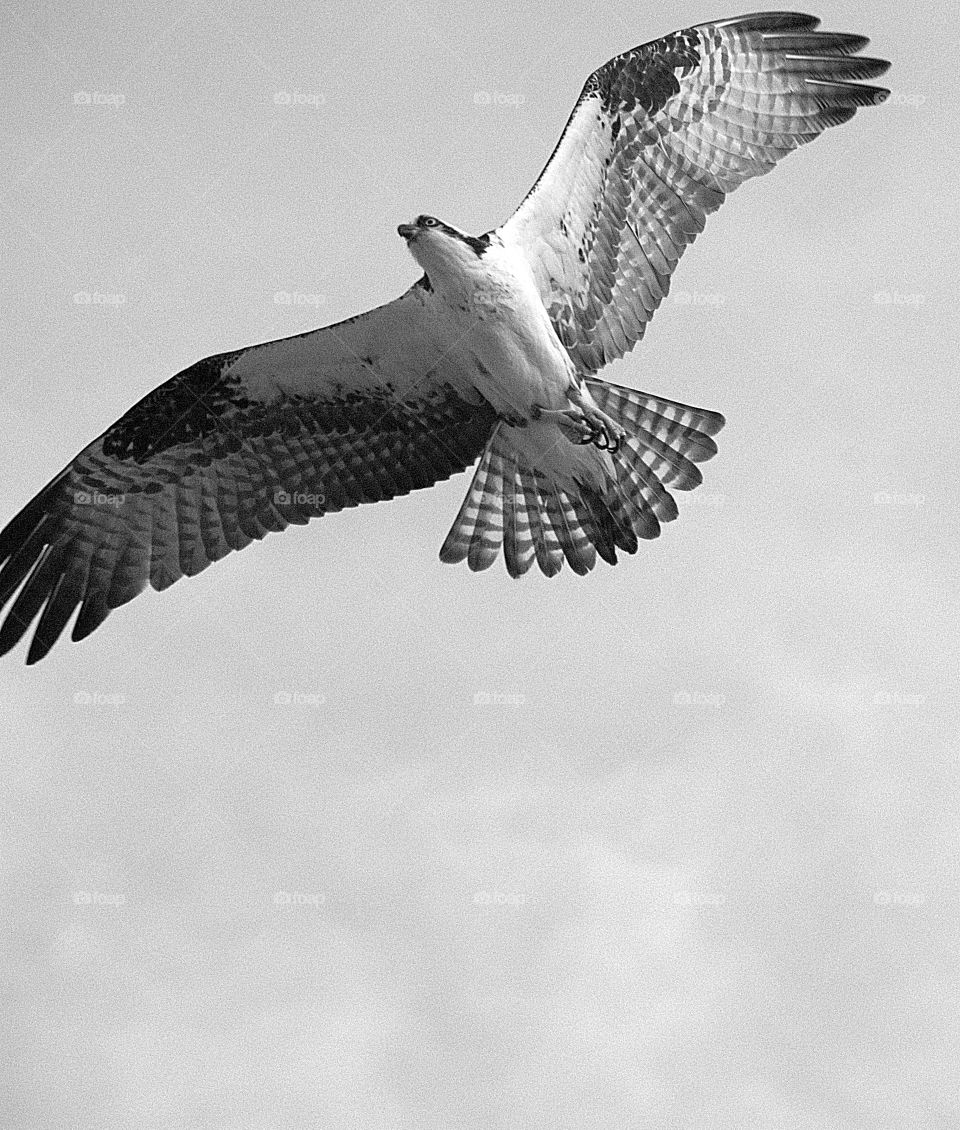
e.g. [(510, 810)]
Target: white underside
[(506, 343)]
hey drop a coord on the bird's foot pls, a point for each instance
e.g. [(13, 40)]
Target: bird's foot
[(585, 424)]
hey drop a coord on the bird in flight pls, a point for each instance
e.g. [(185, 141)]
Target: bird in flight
[(492, 355)]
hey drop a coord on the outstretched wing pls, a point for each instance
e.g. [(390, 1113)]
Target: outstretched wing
[(237, 446), (657, 139)]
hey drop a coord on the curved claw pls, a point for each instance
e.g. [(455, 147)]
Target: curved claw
[(588, 426), (603, 438)]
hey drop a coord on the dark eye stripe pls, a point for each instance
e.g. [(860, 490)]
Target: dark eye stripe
[(478, 243)]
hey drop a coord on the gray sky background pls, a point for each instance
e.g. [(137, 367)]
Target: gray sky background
[(334, 835)]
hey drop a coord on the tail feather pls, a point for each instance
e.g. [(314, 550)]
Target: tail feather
[(577, 547), (542, 515), (518, 540), (672, 468), (650, 501), (596, 522), (546, 544), (611, 522), (488, 533), (477, 533), (652, 413)]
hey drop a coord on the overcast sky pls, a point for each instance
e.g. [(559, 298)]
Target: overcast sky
[(334, 835)]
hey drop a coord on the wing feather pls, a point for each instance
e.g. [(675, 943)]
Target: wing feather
[(657, 139), (235, 447)]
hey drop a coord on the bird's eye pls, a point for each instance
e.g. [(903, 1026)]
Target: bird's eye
[(430, 222)]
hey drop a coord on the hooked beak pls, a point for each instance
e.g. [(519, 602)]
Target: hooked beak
[(408, 231)]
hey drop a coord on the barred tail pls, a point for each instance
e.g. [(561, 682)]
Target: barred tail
[(537, 519)]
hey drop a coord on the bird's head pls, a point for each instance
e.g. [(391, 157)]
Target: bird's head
[(441, 249)]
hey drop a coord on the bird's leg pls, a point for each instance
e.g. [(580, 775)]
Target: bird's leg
[(600, 429), (583, 422)]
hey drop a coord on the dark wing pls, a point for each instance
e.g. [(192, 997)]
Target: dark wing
[(658, 137), (235, 447)]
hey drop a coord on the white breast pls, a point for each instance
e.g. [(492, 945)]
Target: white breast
[(519, 361)]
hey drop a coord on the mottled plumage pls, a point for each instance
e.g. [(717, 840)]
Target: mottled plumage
[(657, 139), (490, 355)]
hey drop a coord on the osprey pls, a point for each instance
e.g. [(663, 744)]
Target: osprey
[(492, 355)]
